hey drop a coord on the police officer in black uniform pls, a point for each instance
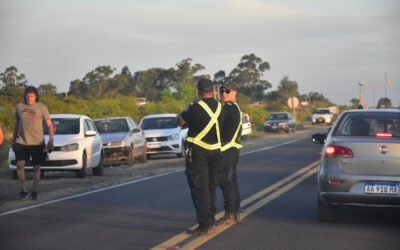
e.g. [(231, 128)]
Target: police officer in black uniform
[(231, 144), (203, 153)]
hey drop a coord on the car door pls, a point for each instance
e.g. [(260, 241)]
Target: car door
[(92, 144), (138, 137)]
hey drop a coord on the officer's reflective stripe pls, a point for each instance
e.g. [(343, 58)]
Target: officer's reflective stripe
[(233, 142), (213, 121)]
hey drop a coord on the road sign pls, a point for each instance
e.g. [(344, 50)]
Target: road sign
[(293, 102)]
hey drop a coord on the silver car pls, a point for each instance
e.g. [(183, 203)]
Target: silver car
[(360, 162)]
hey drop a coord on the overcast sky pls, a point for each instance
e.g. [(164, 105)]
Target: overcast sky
[(325, 46)]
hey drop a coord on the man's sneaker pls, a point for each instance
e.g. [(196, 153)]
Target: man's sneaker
[(237, 217), (201, 231), (227, 219), (23, 196), (34, 195)]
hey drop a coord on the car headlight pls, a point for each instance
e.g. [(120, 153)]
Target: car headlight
[(173, 137), (116, 143), (282, 124), (70, 147)]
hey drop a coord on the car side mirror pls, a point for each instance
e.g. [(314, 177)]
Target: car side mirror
[(136, 130), (90, 133), (319, 138)]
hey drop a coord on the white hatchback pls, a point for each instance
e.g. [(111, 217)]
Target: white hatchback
[(77, 146), (163, 136)]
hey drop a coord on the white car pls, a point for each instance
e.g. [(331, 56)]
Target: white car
[(163, 136), (123, 140), (246, 126), (322, 115), (77, 146)]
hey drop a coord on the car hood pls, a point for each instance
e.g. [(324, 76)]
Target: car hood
[(61, 140), (276, 121), (161, 132), (109, 137)]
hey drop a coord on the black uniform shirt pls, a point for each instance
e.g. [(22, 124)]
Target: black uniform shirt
[(197, 119), (231, 123)]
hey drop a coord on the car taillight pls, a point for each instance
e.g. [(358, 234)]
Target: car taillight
[(383, 135), (337, 151)]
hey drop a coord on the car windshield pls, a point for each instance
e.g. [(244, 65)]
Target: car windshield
[(278, 117), (245, 119), (112, 126), (369, 124), (322, 111), (159, 123), (63, 126)]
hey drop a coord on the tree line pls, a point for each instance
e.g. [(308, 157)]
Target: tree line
[(106, 92)]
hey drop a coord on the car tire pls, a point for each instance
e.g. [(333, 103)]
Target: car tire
[(182, 153), (81, 173), (14, 175), (143, 156), (325, 212), (131, 156), (98, 170)]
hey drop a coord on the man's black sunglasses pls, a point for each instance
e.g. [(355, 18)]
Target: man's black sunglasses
[(226, 91)]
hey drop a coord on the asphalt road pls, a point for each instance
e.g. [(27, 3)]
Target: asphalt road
[(278, 190)]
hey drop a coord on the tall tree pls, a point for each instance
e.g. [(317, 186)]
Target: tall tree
[(48, 88), (386, 102), (248, 74), (355, 102), (287, 88), (10, 77), (220, 77)]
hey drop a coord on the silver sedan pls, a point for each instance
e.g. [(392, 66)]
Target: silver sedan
[(360, 162)]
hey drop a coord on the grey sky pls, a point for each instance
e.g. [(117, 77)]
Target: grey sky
[(326, 46)]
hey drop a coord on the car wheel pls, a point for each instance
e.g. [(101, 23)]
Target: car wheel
[(182, 153), (14, 175), (81, 173), (98, 170), (325, 212), (143, 156), (131, 157)]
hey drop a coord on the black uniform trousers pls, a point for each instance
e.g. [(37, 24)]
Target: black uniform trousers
[(228, 180), (201, 174)]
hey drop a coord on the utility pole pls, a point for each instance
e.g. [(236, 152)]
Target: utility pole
[(385, 85)]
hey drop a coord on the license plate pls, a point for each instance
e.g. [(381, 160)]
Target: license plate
[(381, 188), (153, 145)]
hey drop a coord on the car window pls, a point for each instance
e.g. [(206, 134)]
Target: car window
[(112, 126), (63, 126), (278, 117), (159, 123), (85, 127), (245, 119), (131, 126), (90, 125), (369, 124), (322, 111)]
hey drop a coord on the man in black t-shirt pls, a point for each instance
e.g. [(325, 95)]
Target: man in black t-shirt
[(231, 144), (204, 119)]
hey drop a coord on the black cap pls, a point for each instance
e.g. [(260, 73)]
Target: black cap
[(230, 85), (205, 85)]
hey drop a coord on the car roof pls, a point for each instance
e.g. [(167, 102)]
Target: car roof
[(280, 113), (113, 118), (372, 111), (159, 115), (67, 116)]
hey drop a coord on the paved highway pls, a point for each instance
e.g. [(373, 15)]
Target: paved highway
[(278, 189)]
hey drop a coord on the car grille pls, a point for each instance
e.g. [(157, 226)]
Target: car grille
[(153, 139), (159, 149)]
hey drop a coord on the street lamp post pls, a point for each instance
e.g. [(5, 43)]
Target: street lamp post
[(363, 85)]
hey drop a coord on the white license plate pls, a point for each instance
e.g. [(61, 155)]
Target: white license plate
[(381, 188), (153, 145)]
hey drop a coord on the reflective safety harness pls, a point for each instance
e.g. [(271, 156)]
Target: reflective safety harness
[(213, 121), (233, 142)]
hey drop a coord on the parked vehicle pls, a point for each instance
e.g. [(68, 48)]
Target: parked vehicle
[(280, 121), (77, 146), (322, 115), (360, 161), (163, 135), (123, 140), (246, 125)]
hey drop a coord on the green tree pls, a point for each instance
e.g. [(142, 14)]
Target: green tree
[(355, 102), (220, 77), (48, 89), (10, 77), (287, 88), (386, 102), (248, 75)]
